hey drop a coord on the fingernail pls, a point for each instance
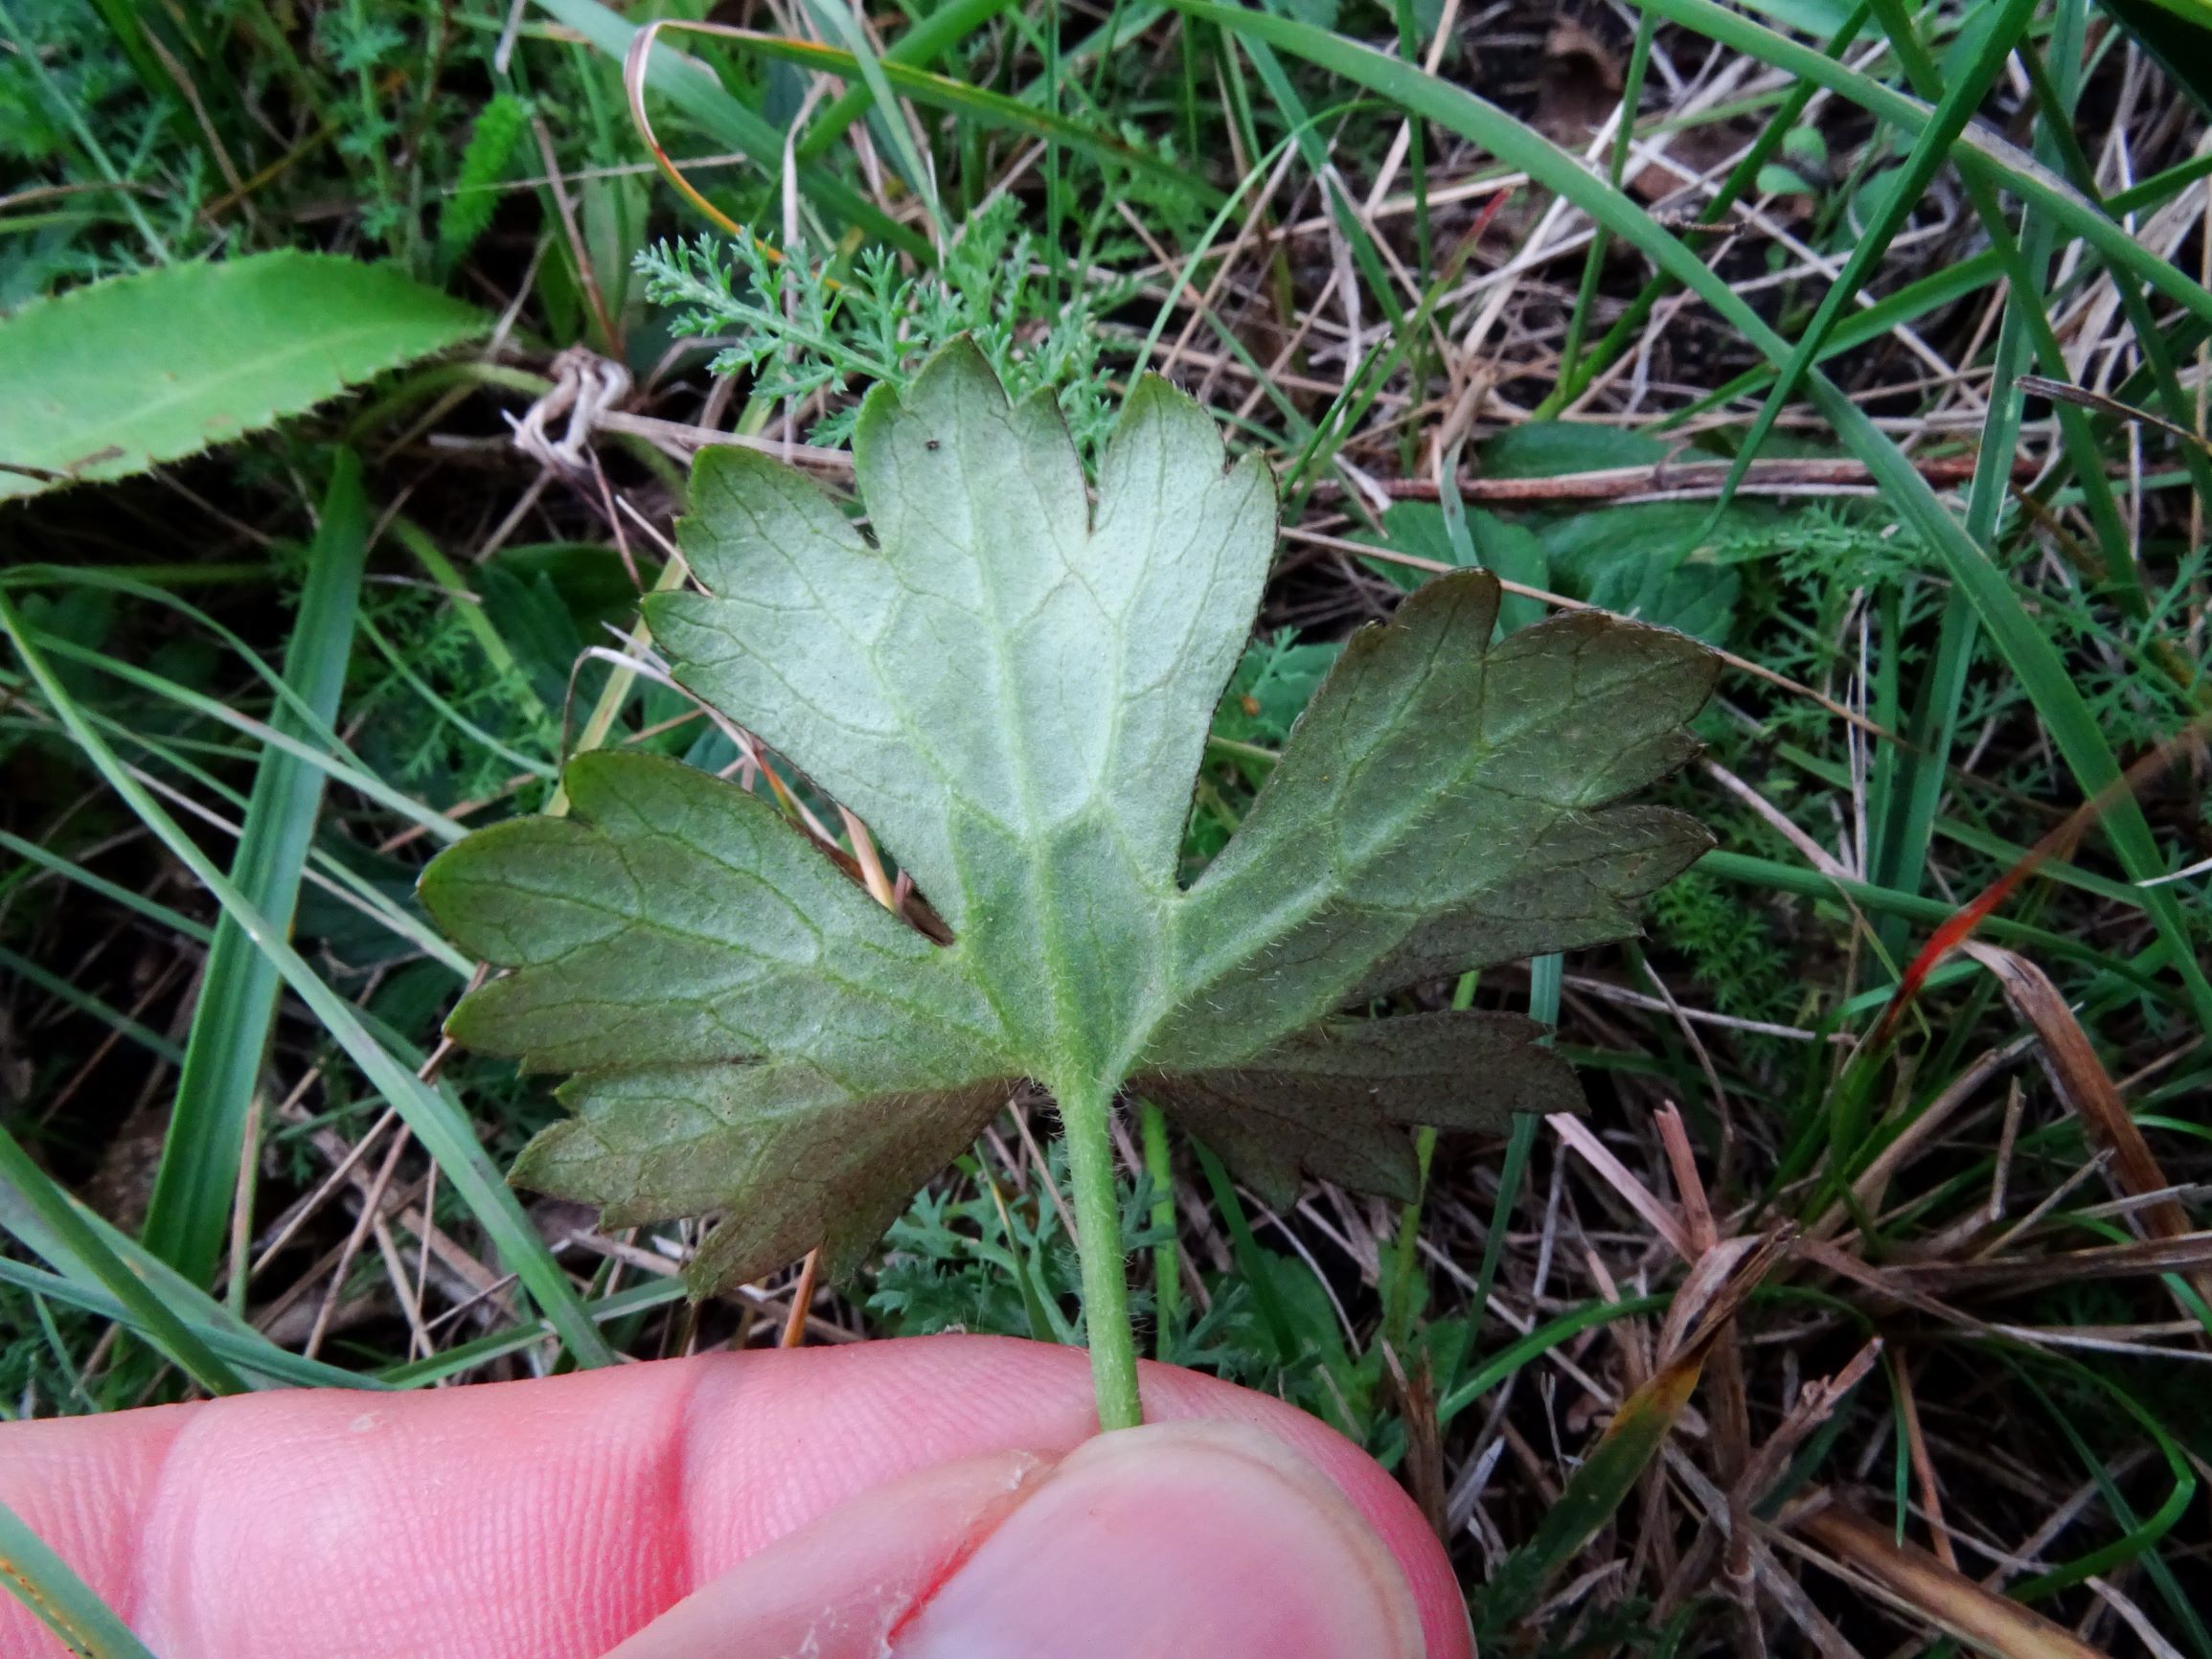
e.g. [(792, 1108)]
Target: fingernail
[(836, 1588), (1174, 1539)]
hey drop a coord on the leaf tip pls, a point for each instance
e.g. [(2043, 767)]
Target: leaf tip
[(1155, 398), (954, 367)]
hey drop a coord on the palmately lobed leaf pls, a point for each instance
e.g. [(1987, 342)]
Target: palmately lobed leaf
[(1013, 698), (1436, 809), (675, 917), (1331, 1100), (1013, 690), (798, 1158)]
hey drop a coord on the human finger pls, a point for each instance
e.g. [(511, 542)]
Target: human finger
[(1178, 1537), (552, 1518)]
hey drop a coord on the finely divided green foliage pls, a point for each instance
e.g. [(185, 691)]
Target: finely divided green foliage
[(109, 379), (1013, 692)]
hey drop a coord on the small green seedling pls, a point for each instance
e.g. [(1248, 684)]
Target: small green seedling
[(1013, 691)]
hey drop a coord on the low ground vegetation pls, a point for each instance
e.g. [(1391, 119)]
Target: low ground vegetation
[(1864, 344)]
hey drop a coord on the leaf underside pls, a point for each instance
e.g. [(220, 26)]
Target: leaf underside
[(1013, 692)]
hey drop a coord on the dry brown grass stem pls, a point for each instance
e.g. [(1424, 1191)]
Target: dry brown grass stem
[(1677, 481), (2085, 1086), (1925, 1587)]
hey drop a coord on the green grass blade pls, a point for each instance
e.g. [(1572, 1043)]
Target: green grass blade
[(280, 738), (1348, 407), (1931, 148), (1537, 1344), (70, 1607), (195, 1185), (71, 115), (140, 586), (1417, 139), (1315, 148), (1510, 1175), (347, 885), (1908, 304), (1979, 152), (1904, 824), (2142, 1535), (1167, 1274), (160, 915), (924, 41), (1594, 256), (2147, 1532), (1779, 878), (226, 1334), (2042, 672), (397, 659), (890, 117), (694, 89), (2073, 726), (499, 1344), (2057, 131), (342, 883), (992, 108), (1251, 1258), (1630, 325), (1597, 1487), (469, 609), (1294, 420), (128, 28), (2160, 188), (442, 1129), (2003, 850), (52, 1208), (252, 1354), (115, 1019), (2026, 314)]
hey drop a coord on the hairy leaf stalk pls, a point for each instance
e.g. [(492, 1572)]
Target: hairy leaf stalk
[(1087, 1123)]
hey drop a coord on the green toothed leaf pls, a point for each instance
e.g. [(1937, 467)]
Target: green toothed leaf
[(1333, 1098), (116, 376), (1013, 690)]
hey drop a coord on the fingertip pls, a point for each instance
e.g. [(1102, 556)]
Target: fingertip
[(839, 1588), (1200, 1537), (1174, 1395), (1195, 1536)]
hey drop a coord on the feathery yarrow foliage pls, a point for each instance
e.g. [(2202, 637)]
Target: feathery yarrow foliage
[(799, 332)]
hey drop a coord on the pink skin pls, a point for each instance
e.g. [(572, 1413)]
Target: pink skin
[(556, 1519)]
